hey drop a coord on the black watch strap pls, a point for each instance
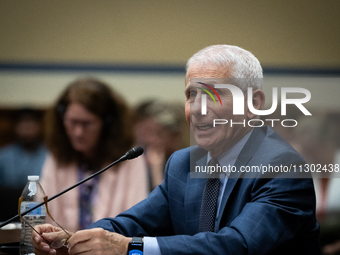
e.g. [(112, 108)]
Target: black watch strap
[(135, 246)]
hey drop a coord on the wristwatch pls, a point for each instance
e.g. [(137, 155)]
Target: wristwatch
[(135, 246)]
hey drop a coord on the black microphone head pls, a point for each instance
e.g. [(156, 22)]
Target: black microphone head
[(134, 152)]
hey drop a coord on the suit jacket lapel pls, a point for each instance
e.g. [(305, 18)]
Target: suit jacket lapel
[(245, 156), (194, 193)]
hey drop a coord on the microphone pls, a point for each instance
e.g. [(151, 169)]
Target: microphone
[(134, 152), (131, 154)]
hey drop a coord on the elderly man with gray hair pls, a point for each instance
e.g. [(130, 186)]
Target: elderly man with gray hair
[(225, 213)]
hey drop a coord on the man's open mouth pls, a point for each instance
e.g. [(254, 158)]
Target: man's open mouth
[(203, 127)]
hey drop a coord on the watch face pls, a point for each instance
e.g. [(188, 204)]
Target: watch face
[(135, 252)]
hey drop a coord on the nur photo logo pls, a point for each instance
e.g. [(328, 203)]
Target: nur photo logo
[(204, 97), (239, 101)]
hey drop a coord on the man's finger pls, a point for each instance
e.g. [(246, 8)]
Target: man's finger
[(80, 236), (54, 235)]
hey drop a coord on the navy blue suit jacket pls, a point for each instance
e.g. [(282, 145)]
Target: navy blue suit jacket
[(257, 215)]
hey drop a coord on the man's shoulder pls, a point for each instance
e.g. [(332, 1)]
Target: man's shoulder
[(180, 156), (180, 160), (275, 141), (274, 145), (188, 153)]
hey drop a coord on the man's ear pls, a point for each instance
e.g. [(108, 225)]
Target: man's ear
[(258, 102)]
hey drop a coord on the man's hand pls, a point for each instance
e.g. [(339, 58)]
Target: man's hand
[(98, 241), (49, 233)]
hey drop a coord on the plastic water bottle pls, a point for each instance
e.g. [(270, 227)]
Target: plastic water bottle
[(32, 195)]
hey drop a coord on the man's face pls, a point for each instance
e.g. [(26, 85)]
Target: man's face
[(221, 137)]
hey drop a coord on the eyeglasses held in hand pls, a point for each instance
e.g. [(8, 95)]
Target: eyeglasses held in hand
[(57, 243)]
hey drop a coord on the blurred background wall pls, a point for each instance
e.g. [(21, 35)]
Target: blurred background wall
[(141, 47), (280, 33)]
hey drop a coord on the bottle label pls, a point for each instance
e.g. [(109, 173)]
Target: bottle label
[(40, 211)]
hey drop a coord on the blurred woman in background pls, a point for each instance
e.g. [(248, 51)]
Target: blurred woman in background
[(89, 127), (160, 128)]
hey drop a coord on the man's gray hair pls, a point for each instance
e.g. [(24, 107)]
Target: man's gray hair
[(242, 65)]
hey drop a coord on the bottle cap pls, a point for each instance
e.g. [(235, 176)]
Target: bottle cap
[(33, 177)]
